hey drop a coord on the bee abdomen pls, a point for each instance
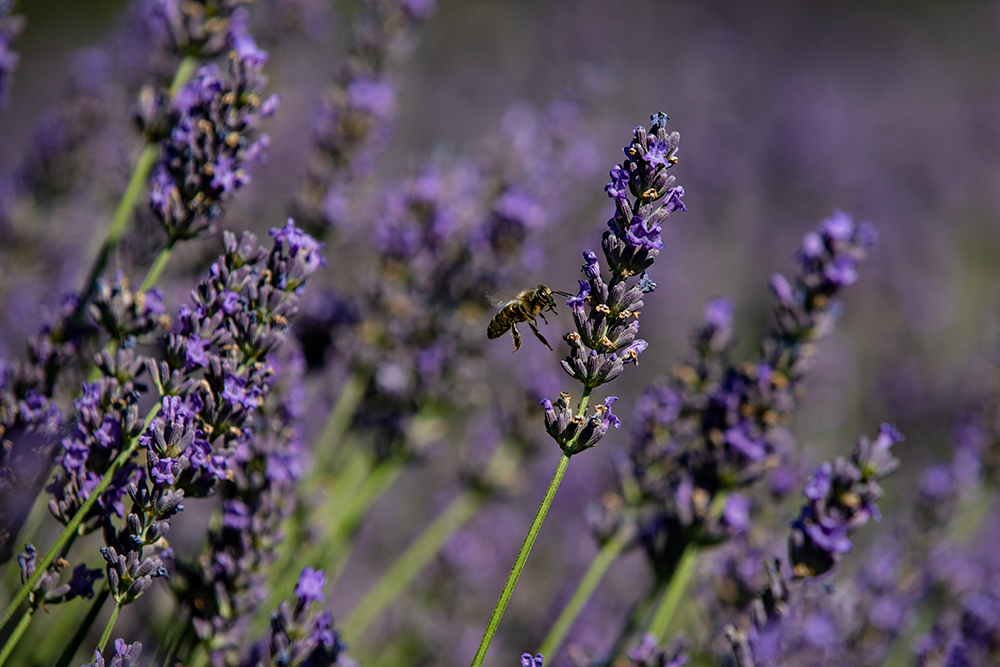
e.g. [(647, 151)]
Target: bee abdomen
[(498, 327)]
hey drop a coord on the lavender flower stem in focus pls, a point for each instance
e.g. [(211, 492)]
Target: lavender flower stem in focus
[(522, 555), (109, 626), (15, 637)]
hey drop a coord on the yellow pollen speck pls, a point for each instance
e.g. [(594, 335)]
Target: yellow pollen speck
[(651, 193)]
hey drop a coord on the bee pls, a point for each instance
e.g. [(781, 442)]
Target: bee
[(524, 307)]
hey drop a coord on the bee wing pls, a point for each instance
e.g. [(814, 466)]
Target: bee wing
[(496, 301)]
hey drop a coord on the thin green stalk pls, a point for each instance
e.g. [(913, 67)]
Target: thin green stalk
[(608, 553), (42, 565), (462, 508), (160, 263), (81, 632), (107, 628), (680, 578), (338, 549), (522, 556), (15, 636), (336, 425), (136, 184)]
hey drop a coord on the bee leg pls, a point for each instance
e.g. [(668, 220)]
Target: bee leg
[(538, 334), (542, 315), (516, 335)]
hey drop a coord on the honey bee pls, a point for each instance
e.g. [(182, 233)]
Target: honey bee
[(524, 307)]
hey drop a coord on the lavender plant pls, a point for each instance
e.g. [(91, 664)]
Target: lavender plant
[(605, 340), (221, 468)]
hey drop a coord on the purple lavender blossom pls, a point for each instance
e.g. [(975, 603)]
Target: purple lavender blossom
[(126, 655), (309, 588), (202, 27), (353, 119), (717, 425), (841, 499), (605, 338), (214, 132), (298, 637), (527, 660)]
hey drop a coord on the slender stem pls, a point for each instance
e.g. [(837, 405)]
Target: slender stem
[(338, 549), (42, 565), (336, 425), (582, 408), (160, 263), (608, 553), (679, 580), (522, 556), (179, 639), (15, 636), (81, 633), (462, 508), (136, 184), (107, 628)]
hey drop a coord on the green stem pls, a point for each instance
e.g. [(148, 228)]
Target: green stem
[(462, 508), (160, 263), (42, 565), (107, 628), (15, 636), (679, 579), (81, 633), (136, 184), (336, 425), (338, 549), (608, 553), (522, 556)]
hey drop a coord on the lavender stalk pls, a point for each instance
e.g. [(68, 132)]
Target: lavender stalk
[(605, 340)]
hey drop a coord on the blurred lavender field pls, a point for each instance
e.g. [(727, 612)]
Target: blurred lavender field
[(494, 125)]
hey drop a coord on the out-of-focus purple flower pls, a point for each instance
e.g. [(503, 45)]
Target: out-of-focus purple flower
[(650, 654), (202, 27), (841, 498), (309, 589), (10, 27), (126, 655)]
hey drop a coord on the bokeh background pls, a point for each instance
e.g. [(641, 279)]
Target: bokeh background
[(787, 111)]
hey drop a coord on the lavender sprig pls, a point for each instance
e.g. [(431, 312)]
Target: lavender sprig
[(841, 498), (211, 382), (299, 637), (605, 337), (355, 113), (213, 132), (604, 342)]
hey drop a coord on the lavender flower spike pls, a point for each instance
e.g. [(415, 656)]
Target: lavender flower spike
[(214, 132), (841, 498), (605, 339)]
